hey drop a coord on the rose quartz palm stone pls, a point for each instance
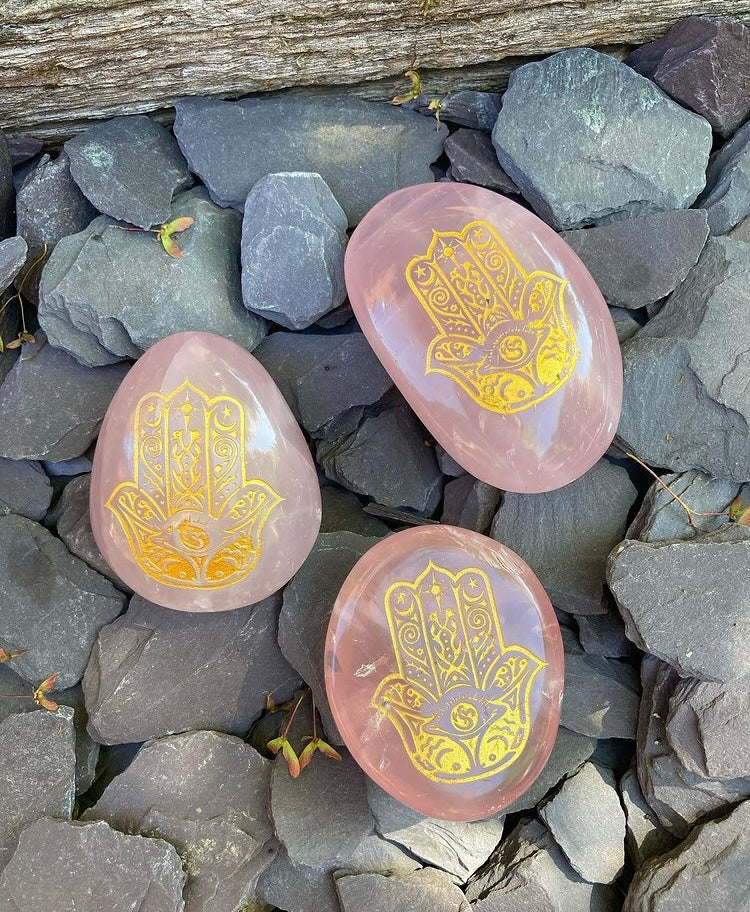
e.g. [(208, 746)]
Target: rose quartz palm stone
[(444, 671), (492, 329), (203, 493)]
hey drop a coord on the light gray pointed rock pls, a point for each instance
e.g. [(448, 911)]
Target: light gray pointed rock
[(24, 488), (645, 837)]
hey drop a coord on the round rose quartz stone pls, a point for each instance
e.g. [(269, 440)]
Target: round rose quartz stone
[(444, 670), (492, 329), (203, 493)]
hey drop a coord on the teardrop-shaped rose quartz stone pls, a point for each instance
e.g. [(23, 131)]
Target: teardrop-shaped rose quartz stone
[(444, 671), (203, 493), (492, 329)]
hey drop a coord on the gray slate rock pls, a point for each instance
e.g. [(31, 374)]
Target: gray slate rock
[(467, 108), (685, 602), (626, 323), (23, 148), (206, 793), (7, 190), (726, 199), (342, 512), (645, 837), (448, 465), (51, 603), (576, 134), (456, 847), (742, 231), (49, 207), (474, 161), (686, 403), (707, 871), (308, 602), (529, 873), (293, 242), (130, 168), (38, 763), (74, 528), (662, 518), (568, 755), (470, 503), (588, 823), (704, 63), (13, 251), (601, 696), (425, 889), (297, 888), (65, 468), (61, 865), (386, 457), (678, 796), (108, 294), (566, 535), (363, 150), (30, 428), (24, 489), (604, 635), (222, 664), (323, 377), (638, 261), (10, 325)]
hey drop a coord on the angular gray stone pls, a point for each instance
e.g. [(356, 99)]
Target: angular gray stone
[(297, 888), (206, 793), (218, 667), (425, 889), (51, 603), (31, 427), (130, 168), (703, 62), (7, 190), (293, 242), (685, 601), (638, 261), (362, 150), (626, 323), (23, 148), (13, 251), (86, 749), (49, 207), (645, 837), (568, 755), (576, 134), (474, 161), (686, 401), (385, 457), (662, 518), (24, 489), (742, 231), (448, 465), (529, 873), (64, 468), (456, 847), (604, 635), (308, 602), (342, 512), (566, 535), (323, 377), (708, 727), (678, 796), (90, 868), (587, 821), (108, 294), (726, 198), (601, 696), (470, 503), (74, 528), (38, 763), (468, 108), (706, 871)]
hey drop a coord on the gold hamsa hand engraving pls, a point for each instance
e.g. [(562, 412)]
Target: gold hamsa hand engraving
[(460, 699), (503, 333), (191, 516)]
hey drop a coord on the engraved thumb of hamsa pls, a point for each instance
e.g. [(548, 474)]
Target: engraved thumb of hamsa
[(460, 698)]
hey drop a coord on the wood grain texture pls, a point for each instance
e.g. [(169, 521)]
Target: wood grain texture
[(63, 62)]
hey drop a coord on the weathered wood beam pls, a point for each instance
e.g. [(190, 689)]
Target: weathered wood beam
[(64, 62)]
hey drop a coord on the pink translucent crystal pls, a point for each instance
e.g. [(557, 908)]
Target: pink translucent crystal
[(493, 330), (203, 493), (444, 671)]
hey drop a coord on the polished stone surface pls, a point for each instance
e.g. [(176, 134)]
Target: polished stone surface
[(492, 329), (444, 671), (203, 493)]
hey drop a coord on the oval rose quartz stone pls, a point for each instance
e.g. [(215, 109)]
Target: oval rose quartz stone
[(492, 329), (444, 671), (203, 493)]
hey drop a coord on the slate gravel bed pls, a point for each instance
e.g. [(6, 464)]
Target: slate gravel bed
[(150, 785)]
